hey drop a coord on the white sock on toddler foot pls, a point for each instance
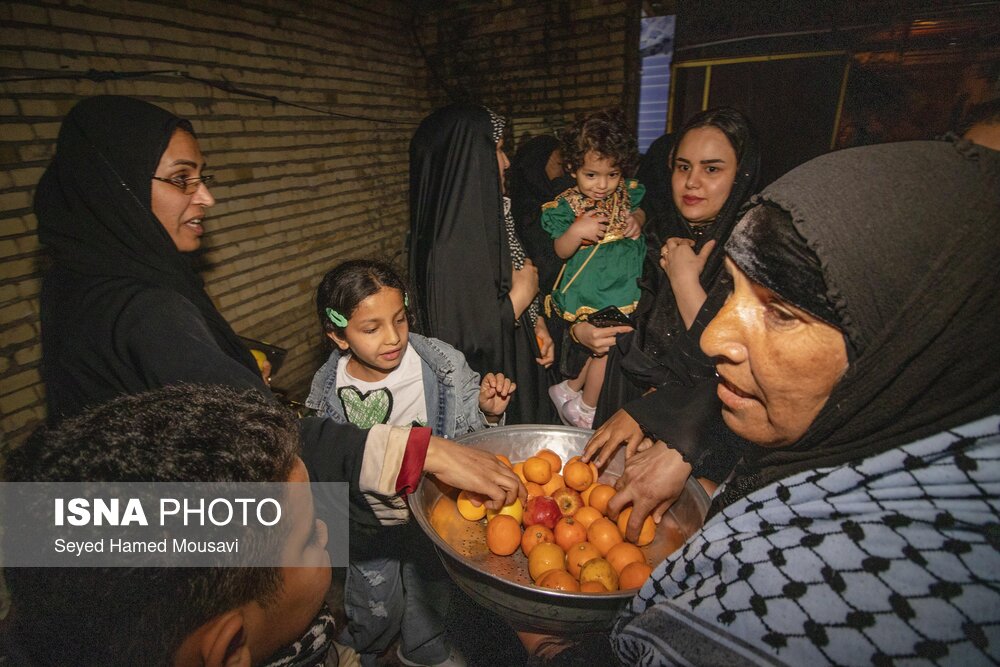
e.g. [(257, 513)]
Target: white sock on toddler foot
[(562, 393)]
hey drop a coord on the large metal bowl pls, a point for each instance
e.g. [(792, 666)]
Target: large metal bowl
[(501, 583)]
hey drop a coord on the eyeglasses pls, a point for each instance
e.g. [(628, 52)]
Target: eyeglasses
[(188, 185)]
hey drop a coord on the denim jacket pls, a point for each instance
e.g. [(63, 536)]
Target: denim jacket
[(451, 389)]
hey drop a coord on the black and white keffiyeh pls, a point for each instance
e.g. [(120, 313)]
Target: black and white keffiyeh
[(314, 646), (875, 537), (893, 560)]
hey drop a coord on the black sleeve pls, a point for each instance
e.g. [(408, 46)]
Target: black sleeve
[(334, 452), (689, 420), (168, 341)]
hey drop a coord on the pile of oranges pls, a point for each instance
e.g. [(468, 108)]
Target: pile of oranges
[(584, 551)]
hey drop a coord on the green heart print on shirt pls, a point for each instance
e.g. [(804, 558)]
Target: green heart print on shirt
[(366, 410)]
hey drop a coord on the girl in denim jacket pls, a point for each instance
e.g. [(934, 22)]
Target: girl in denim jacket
[(380, 373)]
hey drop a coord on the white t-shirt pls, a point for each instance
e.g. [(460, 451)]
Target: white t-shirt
[(398, 399)]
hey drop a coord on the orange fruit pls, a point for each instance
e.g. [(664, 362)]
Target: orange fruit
[(544, 557), (624, 553), (505, 460), (599, 497), (537, 470), (568, 532), (578, 476), (560, 580), (634, 575), (593, 469), (503, 535), (585, 494), (604, 534), (586, 516), (553, 485), (600, 570), (534, 489), (578, 555), (646, 533), (467, 509), (515, 509), (592, 587), (534, 535), (519, 471), (554, 461)]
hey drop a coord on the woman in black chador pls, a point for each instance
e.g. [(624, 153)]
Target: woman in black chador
[(121, 209), (474, 287)]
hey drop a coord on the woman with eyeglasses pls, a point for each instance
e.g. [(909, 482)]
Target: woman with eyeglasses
[(120, 209)]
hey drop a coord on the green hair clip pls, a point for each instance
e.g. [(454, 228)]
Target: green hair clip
[(406, 300), (335, 317)]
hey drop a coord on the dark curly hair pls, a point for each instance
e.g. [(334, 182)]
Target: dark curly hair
[(89, 616), (605, 132)]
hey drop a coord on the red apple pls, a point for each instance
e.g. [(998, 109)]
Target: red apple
[(541, 510), (568, 500)]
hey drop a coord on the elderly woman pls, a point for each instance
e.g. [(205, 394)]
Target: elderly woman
[(858, 353)]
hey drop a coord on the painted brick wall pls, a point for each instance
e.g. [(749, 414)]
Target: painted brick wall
[(297, 190), (539, 63)]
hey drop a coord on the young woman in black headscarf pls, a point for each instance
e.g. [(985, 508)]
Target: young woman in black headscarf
[(662, 350), (475, 288), (711, 173)]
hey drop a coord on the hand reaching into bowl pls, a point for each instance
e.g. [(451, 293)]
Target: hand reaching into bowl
[(620, 429), (474, 470), (652, 480)]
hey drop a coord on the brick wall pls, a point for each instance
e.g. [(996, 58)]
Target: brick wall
[(297, 190), (539, 63)]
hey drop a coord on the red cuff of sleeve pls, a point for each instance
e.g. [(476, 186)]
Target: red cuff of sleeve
[(413, 460)]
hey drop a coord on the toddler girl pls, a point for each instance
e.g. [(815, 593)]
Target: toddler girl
[(597, 234), (380, 373)]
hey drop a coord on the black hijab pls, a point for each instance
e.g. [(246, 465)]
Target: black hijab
[(654, 173), (460, 262), (94, 210), (906, 237), (529, 187), (528, 183), (665, 349), (460, 256)]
